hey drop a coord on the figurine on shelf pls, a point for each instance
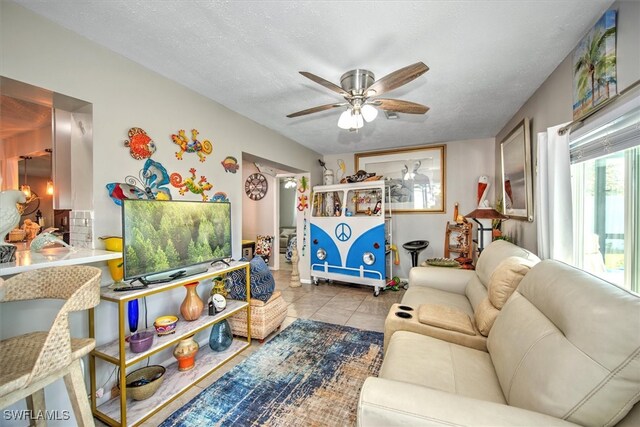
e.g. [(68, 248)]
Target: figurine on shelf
[(47, 238), (378, 206), (368, 211), (31, 228), (337, 209)]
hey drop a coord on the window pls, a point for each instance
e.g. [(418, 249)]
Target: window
[(605, 180)]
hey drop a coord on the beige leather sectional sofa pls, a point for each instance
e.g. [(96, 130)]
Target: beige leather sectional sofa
[(564, 350), (463, 290)]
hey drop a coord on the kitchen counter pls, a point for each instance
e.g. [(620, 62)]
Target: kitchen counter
[(54, 257)]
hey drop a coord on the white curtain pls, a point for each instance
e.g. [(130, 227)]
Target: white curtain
[(632, 219), (552, 200), (9, 174)]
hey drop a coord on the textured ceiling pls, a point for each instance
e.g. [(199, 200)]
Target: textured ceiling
[(486, 58), (18, 116)]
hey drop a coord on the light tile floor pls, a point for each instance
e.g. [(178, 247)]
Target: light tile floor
[(337, 303)]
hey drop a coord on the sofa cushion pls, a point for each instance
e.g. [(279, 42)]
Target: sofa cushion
[(445, 317), (476, 292), (506, 278), (415, 296), (485, 316), (495, 253), (423, 360), (567, 344), (393, 324)]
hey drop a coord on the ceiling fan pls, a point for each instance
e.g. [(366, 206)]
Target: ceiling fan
[(359, 87)]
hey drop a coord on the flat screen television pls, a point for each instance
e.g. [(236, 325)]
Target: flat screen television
[(170, 236)]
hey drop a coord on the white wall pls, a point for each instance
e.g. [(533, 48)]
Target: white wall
[(466, 161), (551, 104), (125, 95)]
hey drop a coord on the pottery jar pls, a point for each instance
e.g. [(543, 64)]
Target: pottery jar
[(192, 306), (185, 353)]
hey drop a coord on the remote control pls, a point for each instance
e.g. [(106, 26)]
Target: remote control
[(130, 288)]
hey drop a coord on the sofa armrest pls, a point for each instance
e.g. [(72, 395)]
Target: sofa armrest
[(443, 278), (386, 402)]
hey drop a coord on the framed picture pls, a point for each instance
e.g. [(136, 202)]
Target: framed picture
[(516, 173), (415, 177), (594, 66)]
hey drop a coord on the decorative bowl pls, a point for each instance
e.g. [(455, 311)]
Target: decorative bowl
[(140, 341), (144, 382), (443, 262), (165, 325)]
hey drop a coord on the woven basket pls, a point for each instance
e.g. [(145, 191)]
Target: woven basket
[(145, 391), (265, 317)]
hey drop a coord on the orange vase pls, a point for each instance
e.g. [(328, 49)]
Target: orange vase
[(192, 306), (185, 352)]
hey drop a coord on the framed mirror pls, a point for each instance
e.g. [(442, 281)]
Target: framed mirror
[(517, 191)]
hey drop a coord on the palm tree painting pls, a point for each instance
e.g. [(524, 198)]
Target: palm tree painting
[(594, 66)]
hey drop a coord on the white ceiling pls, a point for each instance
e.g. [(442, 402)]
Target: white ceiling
[(486, 58)]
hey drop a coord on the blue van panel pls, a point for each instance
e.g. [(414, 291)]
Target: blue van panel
[(365, 243), (325, 242)]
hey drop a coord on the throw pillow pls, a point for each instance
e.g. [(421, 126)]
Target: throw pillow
[(505, 279), (485, 315), (442, 316), (262, 282)]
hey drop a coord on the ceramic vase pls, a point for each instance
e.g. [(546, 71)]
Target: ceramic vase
[(114, 244), (185, 352), (192, 306), (221, 336)]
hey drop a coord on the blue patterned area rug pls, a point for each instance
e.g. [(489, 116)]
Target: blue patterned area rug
[(308, 375)]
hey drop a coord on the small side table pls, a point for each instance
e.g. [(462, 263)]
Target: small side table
[(248, 248)]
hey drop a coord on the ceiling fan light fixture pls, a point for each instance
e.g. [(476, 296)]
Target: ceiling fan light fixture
[(358, 122), (345, 121), (369, 112)]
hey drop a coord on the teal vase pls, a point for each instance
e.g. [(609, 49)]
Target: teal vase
[(221, 336)]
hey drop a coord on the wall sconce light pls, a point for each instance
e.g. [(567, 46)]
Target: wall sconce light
[(50, 188)]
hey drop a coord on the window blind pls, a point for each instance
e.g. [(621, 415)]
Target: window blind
[(617, 135)]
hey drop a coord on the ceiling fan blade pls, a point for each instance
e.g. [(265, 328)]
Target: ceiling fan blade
[(399, 106), (326, 83), (396, 79), (316, 109)]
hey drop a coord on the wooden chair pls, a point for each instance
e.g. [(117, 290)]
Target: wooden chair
[(34, 360)]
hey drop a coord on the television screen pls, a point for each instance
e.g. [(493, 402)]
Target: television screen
[(160, 236)]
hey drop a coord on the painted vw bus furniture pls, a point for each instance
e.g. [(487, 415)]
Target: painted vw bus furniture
[(350, 234)]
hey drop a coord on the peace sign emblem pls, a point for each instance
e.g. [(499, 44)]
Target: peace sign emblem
[(343, 232)]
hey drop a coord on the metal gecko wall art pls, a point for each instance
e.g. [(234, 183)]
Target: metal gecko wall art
[(201, 148), (192, 184)]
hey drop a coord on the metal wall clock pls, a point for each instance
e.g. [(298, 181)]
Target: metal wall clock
[(256, 186)]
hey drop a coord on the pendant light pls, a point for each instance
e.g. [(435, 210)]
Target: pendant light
[(25, 188)]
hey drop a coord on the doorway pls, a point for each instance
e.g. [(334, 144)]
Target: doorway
[(275, 212)]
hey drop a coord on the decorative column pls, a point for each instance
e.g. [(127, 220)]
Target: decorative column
[(295, 274)]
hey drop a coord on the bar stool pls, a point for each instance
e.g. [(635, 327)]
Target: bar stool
[(34, 360), (415, 247)]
